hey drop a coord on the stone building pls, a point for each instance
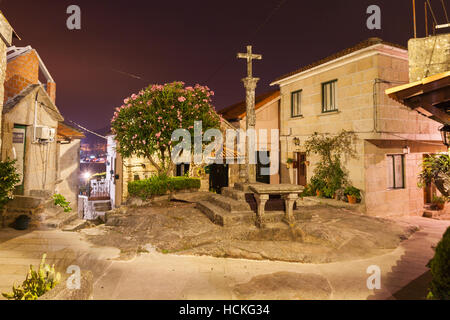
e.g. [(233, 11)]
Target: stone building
[(267, 110), (32, 129), (7, 34), (346, 91)]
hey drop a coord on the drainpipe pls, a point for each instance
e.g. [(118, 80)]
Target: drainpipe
[(35, 116)]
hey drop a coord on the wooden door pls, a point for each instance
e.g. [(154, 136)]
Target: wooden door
[(301, 168)]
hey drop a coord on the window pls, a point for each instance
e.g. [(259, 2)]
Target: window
[(329, 96), (396, 171), (296, 102)]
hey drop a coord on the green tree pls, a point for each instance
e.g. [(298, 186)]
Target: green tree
[(8, 180), (144, 124)]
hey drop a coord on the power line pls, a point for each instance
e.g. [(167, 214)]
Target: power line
[(86, 129)]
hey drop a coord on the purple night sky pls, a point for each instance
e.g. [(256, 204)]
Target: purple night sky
[(191, 41)]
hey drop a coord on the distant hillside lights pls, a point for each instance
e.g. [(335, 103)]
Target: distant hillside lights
[(74, 20)]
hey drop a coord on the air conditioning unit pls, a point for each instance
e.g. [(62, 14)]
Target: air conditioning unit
[(45, 133)]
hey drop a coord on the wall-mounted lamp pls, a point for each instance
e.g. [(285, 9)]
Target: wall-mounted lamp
[(406, 150), (296, 141), (445, 133)]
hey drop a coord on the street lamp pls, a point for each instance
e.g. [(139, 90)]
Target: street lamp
[(445, 133), (296, 141)]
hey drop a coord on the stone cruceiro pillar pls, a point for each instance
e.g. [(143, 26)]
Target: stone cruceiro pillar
[(250, 87)]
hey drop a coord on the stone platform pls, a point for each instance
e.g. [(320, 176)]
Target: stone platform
[(231, 207)]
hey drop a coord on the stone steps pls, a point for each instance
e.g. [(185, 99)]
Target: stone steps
[(229, 204), (59, 220), (233, 193), (76, 225), (220, 216)]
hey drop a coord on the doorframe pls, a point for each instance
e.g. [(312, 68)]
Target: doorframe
[(20, 189)]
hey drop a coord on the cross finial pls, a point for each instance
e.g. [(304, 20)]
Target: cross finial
[(249, 56)]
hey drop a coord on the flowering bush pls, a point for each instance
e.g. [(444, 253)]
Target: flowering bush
[(143, 125)]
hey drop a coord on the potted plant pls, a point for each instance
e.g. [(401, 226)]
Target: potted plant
[(318, 185), (439, 202), (289, 162), (353, 194)]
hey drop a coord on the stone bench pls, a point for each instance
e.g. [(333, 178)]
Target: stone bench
[(289, 192)]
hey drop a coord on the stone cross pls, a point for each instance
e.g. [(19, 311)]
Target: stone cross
[(250, 86)]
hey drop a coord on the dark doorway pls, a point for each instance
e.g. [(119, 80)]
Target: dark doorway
[(182, 169), (301, 168), (218, 177), (275, 203), (260, 177)]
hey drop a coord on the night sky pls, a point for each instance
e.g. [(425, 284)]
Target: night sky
[(191, 41)]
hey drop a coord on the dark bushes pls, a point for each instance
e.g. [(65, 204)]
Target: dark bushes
[(160, 185), (440, 270)]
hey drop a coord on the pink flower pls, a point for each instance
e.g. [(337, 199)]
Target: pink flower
[(133, 96), (158, 134), (181, 99)]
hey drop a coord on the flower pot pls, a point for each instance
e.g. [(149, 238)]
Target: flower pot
[(440, 206), (351, 199)]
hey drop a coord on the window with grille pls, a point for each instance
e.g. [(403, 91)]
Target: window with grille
[(329, 96)]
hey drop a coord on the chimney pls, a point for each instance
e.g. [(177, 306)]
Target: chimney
[(20, 73), (51, 90)]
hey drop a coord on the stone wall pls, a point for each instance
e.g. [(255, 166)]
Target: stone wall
[(69, 171), (6, 35), (428, 56)]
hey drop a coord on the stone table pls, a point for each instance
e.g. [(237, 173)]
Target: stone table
[(289, 192)]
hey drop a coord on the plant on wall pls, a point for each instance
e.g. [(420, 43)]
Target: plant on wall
[(144, 124), (436, 170), (8, 180), (60, 201), (331, 149)]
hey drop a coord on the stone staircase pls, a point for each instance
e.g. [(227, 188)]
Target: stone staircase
[(234, 206)]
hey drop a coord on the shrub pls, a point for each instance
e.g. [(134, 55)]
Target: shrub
[(160, 185), (317, 184), (352, 191), (331, 149), (439, 200), (36, 283), (8, 180), (436, 170), (60, 201), (440, 270)]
